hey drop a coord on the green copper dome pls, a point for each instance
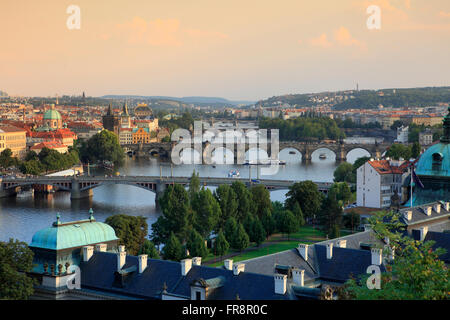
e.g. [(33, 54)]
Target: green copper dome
[(73, 234), (52, 114)]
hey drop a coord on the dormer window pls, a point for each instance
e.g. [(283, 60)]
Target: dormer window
[(437, 160)]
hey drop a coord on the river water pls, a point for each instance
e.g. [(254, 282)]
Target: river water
[(20, 218)]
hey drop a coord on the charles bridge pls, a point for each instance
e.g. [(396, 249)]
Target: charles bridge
[(304, 149)]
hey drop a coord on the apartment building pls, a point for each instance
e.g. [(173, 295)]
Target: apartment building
[(378, 180), (15, 139)]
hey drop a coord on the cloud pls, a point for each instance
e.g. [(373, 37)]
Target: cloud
[(341, 38), (321, 41), (161, 33)]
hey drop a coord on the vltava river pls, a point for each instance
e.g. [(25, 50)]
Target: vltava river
[(20, 218)]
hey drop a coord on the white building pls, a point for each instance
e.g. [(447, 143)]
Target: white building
[(402, 134), (426, 137), (378, 180)]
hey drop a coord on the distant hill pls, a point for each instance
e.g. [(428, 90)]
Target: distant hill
[(193, 100), (366, 99), (3, 94)]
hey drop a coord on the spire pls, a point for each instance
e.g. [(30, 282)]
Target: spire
[(91, 215), (110, 112), (125, 109), (446, 137)]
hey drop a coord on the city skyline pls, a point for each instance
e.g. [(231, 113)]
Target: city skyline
[(216, 50)]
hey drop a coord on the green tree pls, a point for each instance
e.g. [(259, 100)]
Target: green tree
[(331, 215), (6, 159), (344, 173), (415, 150), (131, 230), (228, 202), (176, 215), (244, 200), (297, 211), (341, 191), (16, 259), (172, 249), (307, 195), (415, 273), (31, 155), (102, 146), (149, 249), (258, 234), (240, 239), (194, 185), (261, 199), (221, 245), (287, 222), (230, 229), (33, 167), (268, 222), (398, 150), (206, 212), (351, 220), (358, 163), (196, 245)]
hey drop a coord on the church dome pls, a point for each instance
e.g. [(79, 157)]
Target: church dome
[(73, 234), (52, 114), (435, 161)]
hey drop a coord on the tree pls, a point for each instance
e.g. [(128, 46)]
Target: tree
[(131, 231), (173, 249), (351, 220), (31, 155), (240, 239), (358, 163), (16, 259), (297, 211), (331, 216), (230, 229), (6, 159), (261, 199), (344, 173), (102, 146), (194, 185), (206, 212), (397, 124), (196, 245), (268, 222), (149, 249), (416, 273), (33, 167), (398, 150), (221, 245), (228, 202), (176, 215), (415, 150), (245, 201), (341, 192), (307, 195), (287, 222), (258, 234)]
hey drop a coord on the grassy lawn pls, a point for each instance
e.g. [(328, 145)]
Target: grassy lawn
[(305, 232)]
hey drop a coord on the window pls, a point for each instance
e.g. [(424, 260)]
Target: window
[(198, 295)]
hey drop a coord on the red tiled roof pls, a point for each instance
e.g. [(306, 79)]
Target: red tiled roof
[(48, 144), (384, 167)]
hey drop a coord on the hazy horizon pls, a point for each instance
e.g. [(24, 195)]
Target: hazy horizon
[(235, 50)]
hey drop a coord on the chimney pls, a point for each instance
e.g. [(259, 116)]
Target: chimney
[(101, 247), (408, 215), (186, 265), (303, 250), (377, 256), (447, 206), (298, 276), (121, 258), (142, 260), (341, 243), (280, 283), (238, 268), (329, 250), (423, 233), (197, 261), (228, 263), (88, 251), (437, 207), (121, 248)]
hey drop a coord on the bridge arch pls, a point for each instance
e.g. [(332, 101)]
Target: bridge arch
[(322, 150)]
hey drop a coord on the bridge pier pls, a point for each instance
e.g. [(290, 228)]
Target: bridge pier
[(6, 193), (76, 193)]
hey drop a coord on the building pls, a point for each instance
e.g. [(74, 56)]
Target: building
[(402, 134), (141, 135), (15, 139), (107, 272), (125, 120), (433, 170), (426, 137), (378, 180), (150, 124), (111, 121), (125, 136), (52, 145), (84, 130), (143, 111), (52, 119)]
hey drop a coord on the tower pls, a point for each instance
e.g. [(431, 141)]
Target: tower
[(110, 121), (125, 121)]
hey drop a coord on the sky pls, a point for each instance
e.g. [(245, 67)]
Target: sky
[(236, 49)]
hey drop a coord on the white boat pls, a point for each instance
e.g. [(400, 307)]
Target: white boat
[(233, 174), (322, 156)]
